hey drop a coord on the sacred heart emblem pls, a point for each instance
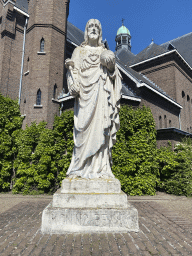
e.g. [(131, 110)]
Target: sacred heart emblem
[(93, 57)]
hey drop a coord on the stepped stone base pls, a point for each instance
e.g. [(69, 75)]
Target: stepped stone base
[(91, 211)]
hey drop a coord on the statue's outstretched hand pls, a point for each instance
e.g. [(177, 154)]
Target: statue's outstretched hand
[(69, 64)]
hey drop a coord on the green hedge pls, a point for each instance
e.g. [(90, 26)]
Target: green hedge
[(35, 160), (43, 156), (135, 151), (10, 125), (176, 168)]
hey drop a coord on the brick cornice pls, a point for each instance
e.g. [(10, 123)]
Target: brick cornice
[(46, 26)]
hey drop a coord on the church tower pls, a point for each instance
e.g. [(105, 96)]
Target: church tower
[(43, 75), (123, 38)]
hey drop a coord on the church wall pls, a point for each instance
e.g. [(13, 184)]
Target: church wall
[(173, 79), (160, 107), (11, 51), (2, 47), (165, 113), (38, 77), (163, 75), (184, 84), (47, 21)]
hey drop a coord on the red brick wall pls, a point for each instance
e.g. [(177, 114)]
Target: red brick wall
[(11, 43), (47, 20)]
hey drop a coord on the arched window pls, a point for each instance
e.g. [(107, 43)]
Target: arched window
[(38, 100), (55, 91), (160, 122), (188, 98), (42, 45), (183, 94), (169, 123)]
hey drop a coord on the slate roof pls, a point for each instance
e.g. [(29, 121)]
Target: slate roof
[(22, 4), (127, 91), (126, 56), (149, 52), (74, 34), (183, 45)]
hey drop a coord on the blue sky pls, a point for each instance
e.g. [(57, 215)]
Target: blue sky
[(162, 20)]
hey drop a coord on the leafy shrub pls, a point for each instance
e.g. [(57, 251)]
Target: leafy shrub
[(176, 169), (135, 151), (44, 155), (10, 125), (35, 160)]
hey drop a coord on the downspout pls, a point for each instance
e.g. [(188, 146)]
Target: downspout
[(180, 119), (22, 61), (61, 108)]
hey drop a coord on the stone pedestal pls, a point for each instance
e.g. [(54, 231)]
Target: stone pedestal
[(83, 205)]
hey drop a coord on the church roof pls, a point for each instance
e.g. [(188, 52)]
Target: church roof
[(74, 34), (22, 5), (126, 56), (149, 52), (183, 45), (123, 30)]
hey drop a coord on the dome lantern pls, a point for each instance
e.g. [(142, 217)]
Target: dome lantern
[(123, 38)]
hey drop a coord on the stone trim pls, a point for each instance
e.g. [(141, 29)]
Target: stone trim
[(46, 26), (64, 99), (41, 53), (26, 73), (130, 98), (20, 11), (38, 106)]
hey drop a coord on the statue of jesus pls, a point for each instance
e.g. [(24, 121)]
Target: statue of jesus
[(95, 81)]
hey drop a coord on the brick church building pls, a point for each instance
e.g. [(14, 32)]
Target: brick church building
[(36, 38)]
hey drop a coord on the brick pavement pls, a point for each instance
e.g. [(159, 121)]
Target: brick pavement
[(162, 232)]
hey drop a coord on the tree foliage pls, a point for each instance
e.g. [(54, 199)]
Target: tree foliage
[(44, 155), (135, 150), (176, 168), (35, 160), (10, 125)]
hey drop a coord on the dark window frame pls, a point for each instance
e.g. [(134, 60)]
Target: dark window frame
[(38, 98)]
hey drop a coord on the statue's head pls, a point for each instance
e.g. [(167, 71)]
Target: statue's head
[(93, 30)]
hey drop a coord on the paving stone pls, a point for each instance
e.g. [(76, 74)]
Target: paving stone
[(58, 245), (162, 232)]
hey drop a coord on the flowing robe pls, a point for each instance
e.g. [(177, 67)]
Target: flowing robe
[(96, 118)]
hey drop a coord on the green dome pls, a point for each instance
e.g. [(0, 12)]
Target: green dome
[(123, 30)]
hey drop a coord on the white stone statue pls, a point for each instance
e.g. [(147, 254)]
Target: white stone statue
[(96, 82)]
